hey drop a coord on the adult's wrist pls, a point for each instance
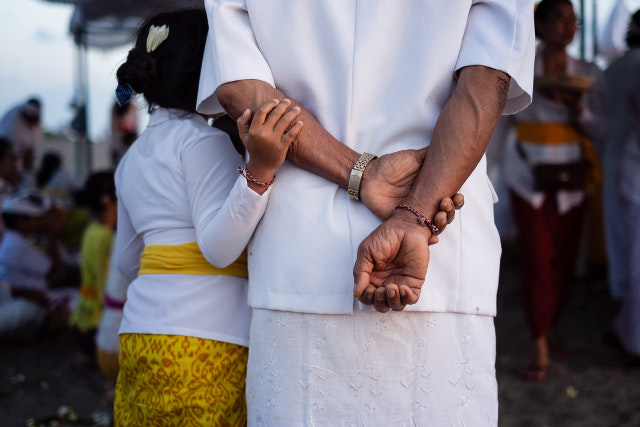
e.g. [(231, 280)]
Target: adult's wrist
[(418, 217), (357, 172)]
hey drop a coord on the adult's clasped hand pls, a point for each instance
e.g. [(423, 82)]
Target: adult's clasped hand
[(392, 261), (392, 264)]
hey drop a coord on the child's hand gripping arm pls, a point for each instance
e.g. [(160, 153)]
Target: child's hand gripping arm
[(267, 138), (223, 230)]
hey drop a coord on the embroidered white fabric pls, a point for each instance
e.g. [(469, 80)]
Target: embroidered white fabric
[(418, 368)]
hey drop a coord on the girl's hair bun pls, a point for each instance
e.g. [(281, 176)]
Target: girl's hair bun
[(168, 76), (139, 71)]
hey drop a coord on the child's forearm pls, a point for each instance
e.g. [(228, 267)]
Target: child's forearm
[(314, 150)]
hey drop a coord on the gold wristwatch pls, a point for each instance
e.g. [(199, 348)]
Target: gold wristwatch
[(356, 175)]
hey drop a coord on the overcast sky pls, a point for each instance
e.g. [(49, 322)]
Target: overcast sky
[(39, 58)]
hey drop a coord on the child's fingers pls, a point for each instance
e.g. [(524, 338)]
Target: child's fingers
[(244, 122), (276, 113), (263, 112), (286, 120), (291, 134)]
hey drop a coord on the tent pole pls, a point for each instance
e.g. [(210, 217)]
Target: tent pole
[(87, 141), (594, 27), (80, 116), (582, 32), (83, 156)]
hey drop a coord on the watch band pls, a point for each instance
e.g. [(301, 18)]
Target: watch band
[(356, 175)]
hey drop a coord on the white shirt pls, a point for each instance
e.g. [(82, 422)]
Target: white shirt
[(178, 183), (21, 134), (618, 86), (629, 175), (23, 264), (62, 181), (376, 76)]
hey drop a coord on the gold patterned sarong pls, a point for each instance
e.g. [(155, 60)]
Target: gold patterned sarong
[(172, 380)]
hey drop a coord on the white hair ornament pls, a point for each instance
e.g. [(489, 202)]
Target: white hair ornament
[(156, 36)]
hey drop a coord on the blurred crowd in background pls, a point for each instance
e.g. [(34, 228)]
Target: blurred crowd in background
[(566, 170)]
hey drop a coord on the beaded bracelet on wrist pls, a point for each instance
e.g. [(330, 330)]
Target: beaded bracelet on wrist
[(245, 172), (422, 220)]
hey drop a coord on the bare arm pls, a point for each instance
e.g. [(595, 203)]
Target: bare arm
[(309, 149), (460, 138), (386, 180), (392, 261)]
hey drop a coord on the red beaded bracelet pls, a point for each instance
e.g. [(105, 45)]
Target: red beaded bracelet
[(245, 172), (421, 218)]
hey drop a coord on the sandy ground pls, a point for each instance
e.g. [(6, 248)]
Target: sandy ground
[(591, 387)]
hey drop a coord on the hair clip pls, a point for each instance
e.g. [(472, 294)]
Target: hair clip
[(124, 92), (156, 36)]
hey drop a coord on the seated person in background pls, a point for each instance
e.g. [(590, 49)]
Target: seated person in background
[(22, 125), (100, 196), (53, 179), (26, 301), (9, 174)]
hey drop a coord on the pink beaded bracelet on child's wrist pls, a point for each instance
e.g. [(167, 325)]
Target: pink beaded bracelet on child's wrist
[(422, 220), (242, 170)]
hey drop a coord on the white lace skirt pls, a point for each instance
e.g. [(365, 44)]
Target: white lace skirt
[(371, 369)]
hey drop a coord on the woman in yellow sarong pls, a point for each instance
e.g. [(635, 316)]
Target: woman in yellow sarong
[(185, 217)]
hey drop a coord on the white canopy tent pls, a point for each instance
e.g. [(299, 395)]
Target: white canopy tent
[(104, 24)]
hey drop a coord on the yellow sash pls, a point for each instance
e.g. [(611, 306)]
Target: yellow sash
[(561, 133), (548, 133), (186, 259)]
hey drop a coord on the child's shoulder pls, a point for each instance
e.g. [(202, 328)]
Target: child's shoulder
[(196, 130), (200, 124)]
